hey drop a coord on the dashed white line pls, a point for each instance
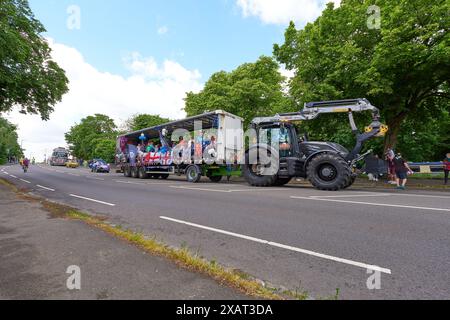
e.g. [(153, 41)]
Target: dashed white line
[(26, 181), (223, 191), (45, 188), (93, 178), (11, 175), (93, 200), (282, 246), (373, 204), (355, 195)]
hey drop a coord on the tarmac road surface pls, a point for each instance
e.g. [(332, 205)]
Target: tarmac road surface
[(293, 237)]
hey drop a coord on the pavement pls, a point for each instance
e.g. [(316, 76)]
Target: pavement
[(36, 252), (293, 237)]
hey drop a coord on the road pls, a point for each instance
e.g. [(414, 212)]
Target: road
[(293, 237)]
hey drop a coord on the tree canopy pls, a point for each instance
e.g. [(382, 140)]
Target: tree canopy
[(403, 67), (253, 89), (29, 78), (143, 121), (93, 137), (9, 145)]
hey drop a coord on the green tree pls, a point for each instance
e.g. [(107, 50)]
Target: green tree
[(9, 145), (253, 89), (105, 149), (143, 121), (92, 130), (29, 78), (402, 67)]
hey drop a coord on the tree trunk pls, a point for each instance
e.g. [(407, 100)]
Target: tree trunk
[(394, 124)]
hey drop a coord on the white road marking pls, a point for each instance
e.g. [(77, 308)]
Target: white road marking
[(225, 191), (93, 200), (128, 182), (279, 245), (199, 189), (373, 204), (6, 173), (355, 195), (23, 180), (74, 174), (100, 179), (11, 175), (45, 188), (421, 195)]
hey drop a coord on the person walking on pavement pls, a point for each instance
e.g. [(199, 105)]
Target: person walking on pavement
[(402, 170), (390, 156), (446, 168)]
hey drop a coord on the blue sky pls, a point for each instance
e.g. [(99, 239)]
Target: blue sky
[(206, 35), (142, 56)]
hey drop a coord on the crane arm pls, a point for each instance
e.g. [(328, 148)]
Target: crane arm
[(313, 110)]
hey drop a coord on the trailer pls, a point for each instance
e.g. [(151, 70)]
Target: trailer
[(208, 145)]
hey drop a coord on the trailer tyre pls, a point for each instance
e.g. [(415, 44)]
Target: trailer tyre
[(193, 174), (142, 174), (134, 172), (215, 178), (126, 171), (164, 176), (329, 172)]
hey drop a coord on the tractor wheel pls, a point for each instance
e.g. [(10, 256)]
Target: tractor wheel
[(193, 174), (282, 181), (142, 174), (135, 172), (215, 178), (329, 172), (258, 175), (351, 182)]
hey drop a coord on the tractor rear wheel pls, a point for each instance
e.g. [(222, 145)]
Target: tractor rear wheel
[(259, 175), (282, 181), (329, 172)]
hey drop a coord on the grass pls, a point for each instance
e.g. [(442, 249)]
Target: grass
[(182, 257)]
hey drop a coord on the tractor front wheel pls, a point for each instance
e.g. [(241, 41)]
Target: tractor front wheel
[(329, 172)]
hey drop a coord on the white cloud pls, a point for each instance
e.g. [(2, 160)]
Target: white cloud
[(281, 12), (151, 88), (163, 30)]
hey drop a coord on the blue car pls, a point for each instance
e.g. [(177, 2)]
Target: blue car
[(100, 166)]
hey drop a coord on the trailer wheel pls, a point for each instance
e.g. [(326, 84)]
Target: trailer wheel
[(282, 181), (255, 174), (215, 178), (134, 172), (127, 171), (142, 174), (164, 176), (193, 174), (329, 172)]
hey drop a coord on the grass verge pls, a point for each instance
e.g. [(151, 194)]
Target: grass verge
[(182, 257)]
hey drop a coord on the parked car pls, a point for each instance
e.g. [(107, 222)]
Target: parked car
[(72, 164), (100, 166)]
